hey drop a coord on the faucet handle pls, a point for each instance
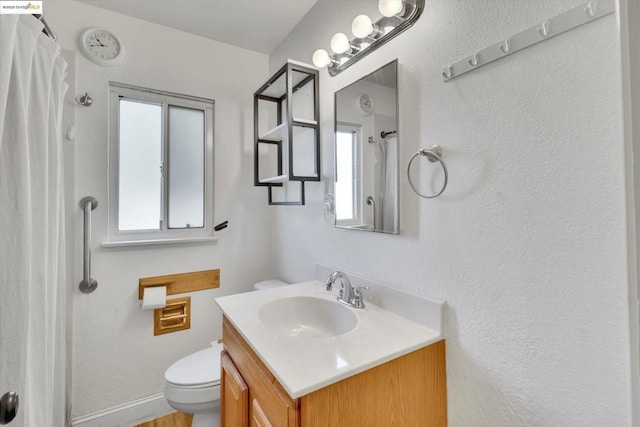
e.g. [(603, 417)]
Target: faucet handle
[(358, 301), (329, 283)]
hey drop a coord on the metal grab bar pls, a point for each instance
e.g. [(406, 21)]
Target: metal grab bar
[(87, 285), (372, 202)]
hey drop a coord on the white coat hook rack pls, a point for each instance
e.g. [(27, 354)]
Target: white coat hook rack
[(505, 47), (474, 60), (550, 28), (544, 29)]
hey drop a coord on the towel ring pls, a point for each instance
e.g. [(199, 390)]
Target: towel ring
[(433, 154)]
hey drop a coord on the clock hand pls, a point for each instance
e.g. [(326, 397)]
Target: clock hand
[(99, 42)]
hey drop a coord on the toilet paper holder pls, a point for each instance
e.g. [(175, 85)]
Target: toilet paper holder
[(182, 282), (175, 316)]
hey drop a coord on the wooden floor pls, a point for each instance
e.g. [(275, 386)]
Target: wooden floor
[(177, 419)]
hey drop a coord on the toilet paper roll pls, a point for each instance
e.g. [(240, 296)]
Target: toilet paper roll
[(154, 297)]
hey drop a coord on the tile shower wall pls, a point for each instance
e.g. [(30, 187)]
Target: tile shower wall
[(116, 357), (528, 243)]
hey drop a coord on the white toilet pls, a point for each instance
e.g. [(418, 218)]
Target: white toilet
[(193, 382), (193, 386)]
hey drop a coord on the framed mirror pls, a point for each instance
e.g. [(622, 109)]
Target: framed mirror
[(366, 153)]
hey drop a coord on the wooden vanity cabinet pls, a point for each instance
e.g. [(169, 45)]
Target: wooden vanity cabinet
[(404, 392), (234, 392), (268, 403)]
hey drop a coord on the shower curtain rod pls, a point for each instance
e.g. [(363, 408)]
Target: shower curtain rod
[(47, 29)]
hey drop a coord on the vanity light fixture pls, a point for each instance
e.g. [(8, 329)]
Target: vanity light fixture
[(397, 16), (321, 58), (391, 8), (340, 43), (362, 27)]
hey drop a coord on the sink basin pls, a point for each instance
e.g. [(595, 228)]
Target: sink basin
[(308, 317)]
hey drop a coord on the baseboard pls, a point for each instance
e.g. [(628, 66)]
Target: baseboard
[(128, 414)]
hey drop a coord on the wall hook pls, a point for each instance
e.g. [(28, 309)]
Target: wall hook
[(540, 31), (85, 100), (473, 61), (447, 72), (505, 47), (544, 29)]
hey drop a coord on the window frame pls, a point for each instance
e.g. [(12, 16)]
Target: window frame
[(356, 132), (163, 234)]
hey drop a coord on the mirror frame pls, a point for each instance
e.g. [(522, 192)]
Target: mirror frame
[(336, 123)]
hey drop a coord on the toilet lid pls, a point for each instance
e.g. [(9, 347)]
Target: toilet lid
[(201, 367)]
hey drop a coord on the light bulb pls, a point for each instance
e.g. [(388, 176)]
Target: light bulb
[(361, 26), (340, 43), (390, 8), (321, 58)]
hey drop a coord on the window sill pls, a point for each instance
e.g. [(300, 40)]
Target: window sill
[(185, 240)]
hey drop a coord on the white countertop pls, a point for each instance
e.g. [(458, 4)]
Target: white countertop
[(304, 365)]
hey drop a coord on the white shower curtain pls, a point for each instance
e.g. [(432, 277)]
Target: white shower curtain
[(32, 282), (390, 198)]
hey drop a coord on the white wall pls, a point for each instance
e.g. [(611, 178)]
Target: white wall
[(527, 245), (116, 357)]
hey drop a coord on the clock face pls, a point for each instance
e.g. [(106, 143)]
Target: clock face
[(364, 104), (102, 47)]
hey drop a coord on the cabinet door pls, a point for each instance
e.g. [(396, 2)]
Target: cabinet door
[(258, 417), (277, 407), (234, 395)]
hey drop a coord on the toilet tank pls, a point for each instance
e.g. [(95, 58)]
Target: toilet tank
[(269, 284)]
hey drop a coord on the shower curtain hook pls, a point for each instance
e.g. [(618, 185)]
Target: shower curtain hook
[(590, 10), (85, 100)]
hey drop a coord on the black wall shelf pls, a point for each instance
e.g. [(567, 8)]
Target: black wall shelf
[(287, 105)]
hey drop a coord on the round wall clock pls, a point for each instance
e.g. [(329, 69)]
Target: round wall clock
[(102, 47), (364, 104)]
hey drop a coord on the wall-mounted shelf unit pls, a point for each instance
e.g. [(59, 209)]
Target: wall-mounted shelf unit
[(286, 133)]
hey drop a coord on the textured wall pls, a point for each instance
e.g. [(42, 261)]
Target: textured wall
[(527, 245), (116, 357)]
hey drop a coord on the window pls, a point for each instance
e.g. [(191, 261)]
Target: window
[(161, 166), (347, 174)]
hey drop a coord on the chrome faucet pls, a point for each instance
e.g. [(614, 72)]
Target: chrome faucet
[(347, 294)]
